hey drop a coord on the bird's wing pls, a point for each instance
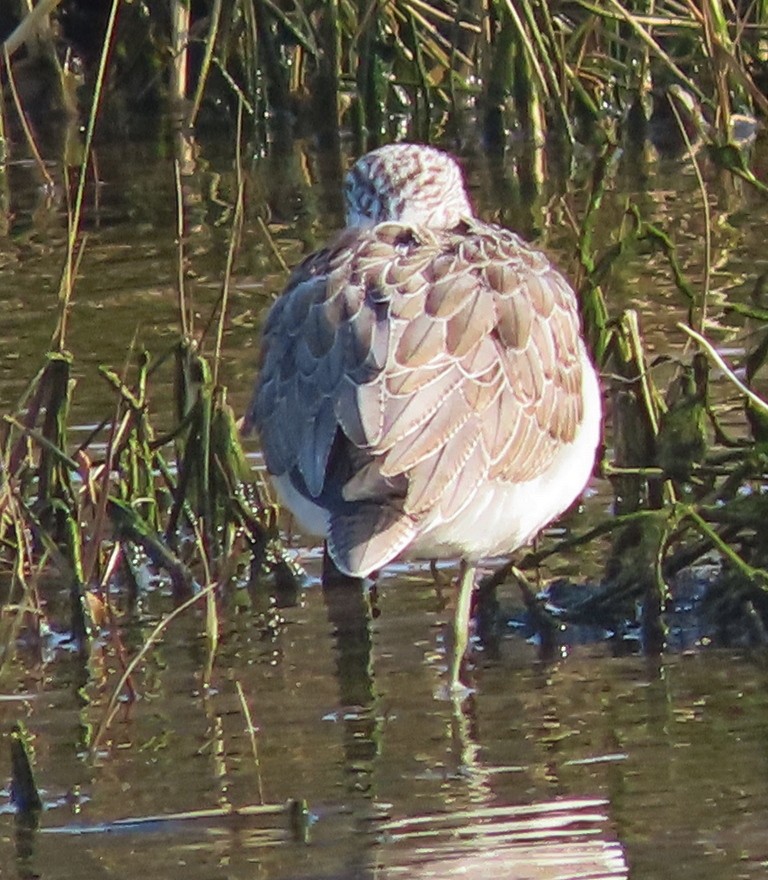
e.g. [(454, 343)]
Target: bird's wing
[(402, 368), (484, 377)]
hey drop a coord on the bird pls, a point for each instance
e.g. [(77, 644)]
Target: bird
[(424, 390)]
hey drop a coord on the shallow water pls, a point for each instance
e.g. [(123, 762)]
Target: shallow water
[(591, 766), (599, 763)]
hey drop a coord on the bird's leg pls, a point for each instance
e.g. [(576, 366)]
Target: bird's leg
[(461, 615), (440, 578)]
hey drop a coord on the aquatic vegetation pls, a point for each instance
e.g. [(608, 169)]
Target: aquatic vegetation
[(381, 69), (142, 569), (581, 75)]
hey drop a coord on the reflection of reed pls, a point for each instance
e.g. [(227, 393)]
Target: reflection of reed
[(557, 839)]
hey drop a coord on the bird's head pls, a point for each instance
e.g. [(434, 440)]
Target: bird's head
[(406, 183)]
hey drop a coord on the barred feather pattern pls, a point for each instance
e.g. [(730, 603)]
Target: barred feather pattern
[(422, 383)]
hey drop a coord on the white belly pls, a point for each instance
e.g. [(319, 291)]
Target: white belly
[(504, 516), (501, 516)]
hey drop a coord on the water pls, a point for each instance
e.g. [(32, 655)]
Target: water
[(598, 763), (644, 766)]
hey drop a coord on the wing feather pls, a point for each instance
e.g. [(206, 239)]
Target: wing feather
[(430, 362)]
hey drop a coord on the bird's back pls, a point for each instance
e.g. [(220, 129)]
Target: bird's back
[(426, 391)]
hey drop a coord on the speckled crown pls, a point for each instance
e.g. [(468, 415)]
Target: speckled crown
[(406, 183)]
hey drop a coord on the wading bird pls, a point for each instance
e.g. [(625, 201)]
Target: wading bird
[(424, 390)]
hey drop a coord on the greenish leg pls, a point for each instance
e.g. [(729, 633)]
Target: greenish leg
[(461, 620)]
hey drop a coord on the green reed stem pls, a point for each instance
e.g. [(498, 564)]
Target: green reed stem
[(756, 576), (706, 281), (66, 284), (185, 314), (645, 36), (29, 25), (214, 20), (546, 54), (252, 730), (728, 371), (180, 12), (527, 45), (234, 243), (28, 136)]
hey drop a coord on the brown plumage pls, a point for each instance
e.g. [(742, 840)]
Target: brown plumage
[(424, 389)]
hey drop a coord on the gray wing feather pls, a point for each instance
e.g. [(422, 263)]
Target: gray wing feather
[(402, 368)]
